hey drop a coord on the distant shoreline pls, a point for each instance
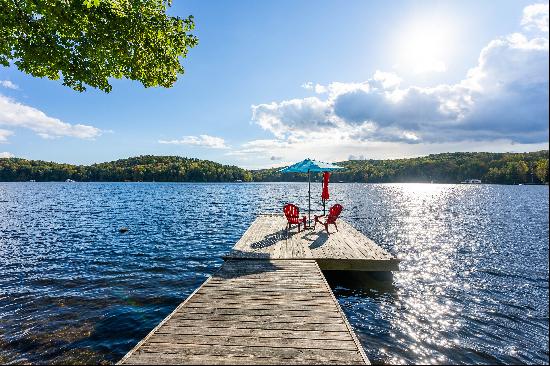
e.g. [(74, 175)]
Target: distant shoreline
[(445, 168), (286, 182)]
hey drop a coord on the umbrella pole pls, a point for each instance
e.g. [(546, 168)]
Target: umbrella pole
[(324, 200), (309, 198)]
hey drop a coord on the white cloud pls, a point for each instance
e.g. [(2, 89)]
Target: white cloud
[(318, 88), (388, 80), (535, 17), (15, 114), (4, 135), (6, 155), (503, 98), (8, 84), (260, 147), (201, 140), (294, 116)]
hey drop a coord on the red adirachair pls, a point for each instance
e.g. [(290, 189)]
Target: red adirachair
[(333, 214), (292, 214)]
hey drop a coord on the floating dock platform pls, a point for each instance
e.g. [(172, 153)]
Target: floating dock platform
[(269, 303), (345, 249)]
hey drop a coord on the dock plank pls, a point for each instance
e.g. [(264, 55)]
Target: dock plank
[(255, 312)]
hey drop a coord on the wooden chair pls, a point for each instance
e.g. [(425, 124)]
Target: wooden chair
[(333, 214), (292, 213)]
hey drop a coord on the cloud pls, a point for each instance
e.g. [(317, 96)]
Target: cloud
[(318, 88), (201, 140), (535, 17), (387, 80), (6, 155), (260, 147), (8, 84), (14, 114), (4, 135), (293, 116), (502, 98)]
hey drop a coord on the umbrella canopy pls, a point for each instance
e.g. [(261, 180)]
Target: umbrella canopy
[(308, 166)]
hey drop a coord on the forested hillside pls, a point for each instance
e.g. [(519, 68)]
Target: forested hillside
[(141, 168), (504, 168)]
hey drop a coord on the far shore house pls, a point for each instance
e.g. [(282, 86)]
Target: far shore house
[(471, 181)]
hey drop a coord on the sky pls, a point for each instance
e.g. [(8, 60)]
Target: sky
[(274, 82)]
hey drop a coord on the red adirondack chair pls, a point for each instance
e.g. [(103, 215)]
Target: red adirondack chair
[(333, 214), (292, 214)]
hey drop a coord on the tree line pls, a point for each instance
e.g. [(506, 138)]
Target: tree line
[(503, 168), (145, 168)]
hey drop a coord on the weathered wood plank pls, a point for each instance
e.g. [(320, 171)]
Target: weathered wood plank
[(177, 359), (264, 302), (239, 340), (219, 355), (255, 332), (291, 325), (252, 296), (257, 311), (284, 303), (260, 318), (251, 350)]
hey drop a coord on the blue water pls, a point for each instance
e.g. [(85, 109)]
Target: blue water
[(473, 285)]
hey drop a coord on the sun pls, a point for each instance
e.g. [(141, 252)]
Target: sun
[(423, 46)]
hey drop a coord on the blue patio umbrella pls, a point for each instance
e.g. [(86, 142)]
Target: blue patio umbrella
[(308, 166)]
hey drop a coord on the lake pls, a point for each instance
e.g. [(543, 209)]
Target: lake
[(473, 285)]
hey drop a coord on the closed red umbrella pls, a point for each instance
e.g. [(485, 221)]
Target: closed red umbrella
[(324, 194)]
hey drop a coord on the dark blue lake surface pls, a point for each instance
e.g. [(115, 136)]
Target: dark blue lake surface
[(473, 285)]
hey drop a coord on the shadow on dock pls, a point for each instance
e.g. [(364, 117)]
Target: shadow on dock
[(253, 267), (321, 239), (270, 239)]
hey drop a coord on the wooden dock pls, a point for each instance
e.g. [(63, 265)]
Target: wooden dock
[(269, 303), (255, 312), (345, 249)]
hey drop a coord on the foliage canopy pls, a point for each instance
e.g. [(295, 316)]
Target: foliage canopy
[(86, 42)]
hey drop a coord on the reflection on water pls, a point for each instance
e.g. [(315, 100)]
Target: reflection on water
[(473, 285)]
